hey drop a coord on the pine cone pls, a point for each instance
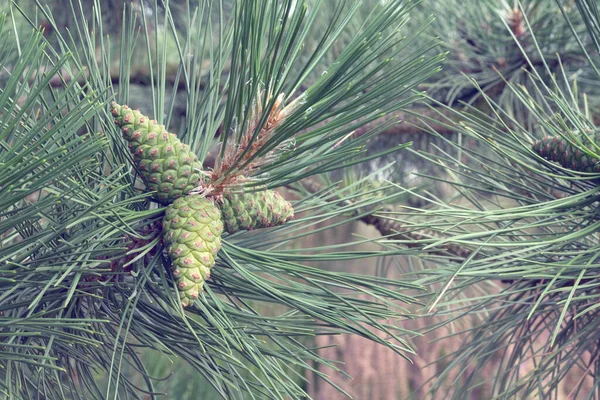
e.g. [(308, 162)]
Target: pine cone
[(569, 156), (255, 210), (166, 165), (192, 228)]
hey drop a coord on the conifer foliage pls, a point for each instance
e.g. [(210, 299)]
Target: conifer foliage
[(95, 264), (518, 239)]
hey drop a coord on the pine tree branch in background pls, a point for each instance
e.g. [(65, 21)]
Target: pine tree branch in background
[(534, 217), (389, 228), (412, 121), (499, 41)]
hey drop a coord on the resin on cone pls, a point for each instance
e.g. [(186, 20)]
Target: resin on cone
[(192, 229), (567, 154), (166, 165), (249, 211)]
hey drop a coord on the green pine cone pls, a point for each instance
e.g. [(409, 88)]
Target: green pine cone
[(255, 210), (166, 165), (192, 229), (567, 155)]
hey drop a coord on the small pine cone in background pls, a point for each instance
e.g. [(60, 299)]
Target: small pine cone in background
[(568, 155)]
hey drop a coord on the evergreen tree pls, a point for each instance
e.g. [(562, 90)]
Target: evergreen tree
[(91, 274)]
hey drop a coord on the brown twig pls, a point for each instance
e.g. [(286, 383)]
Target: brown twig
[(243, 153), (419, 119), (122, 263), (394, 230)]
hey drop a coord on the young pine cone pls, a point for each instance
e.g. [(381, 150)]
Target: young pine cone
[(166, 165)]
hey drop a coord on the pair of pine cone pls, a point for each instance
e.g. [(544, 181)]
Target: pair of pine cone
[(193, 224)]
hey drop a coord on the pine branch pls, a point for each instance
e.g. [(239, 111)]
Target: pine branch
[(502, 41), (534, 221), (85, 266), (417, 119), (392, 230)]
